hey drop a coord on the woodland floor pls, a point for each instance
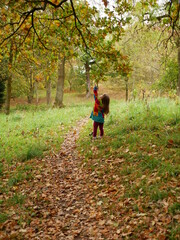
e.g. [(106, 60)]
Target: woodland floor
[(123, 195), (61, 202)]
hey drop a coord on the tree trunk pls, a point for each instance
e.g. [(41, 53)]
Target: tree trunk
[(31, 88), (143, 93), (2, 89), (60, 82), (70, 85), (88, 87), (71, 75), (9, 81), (178, 85), (48, 90), (36, 91), (126, 81)]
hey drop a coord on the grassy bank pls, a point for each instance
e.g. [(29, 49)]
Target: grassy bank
[(27, 133), (133, 173)]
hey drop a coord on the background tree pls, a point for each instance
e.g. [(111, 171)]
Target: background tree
[(44, 29), (169, 78), (164, 16), (3, 79)]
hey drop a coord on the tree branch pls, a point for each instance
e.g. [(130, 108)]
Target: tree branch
[(41, 5), (26, 35), (75, 19), (56, 6), (32, 18), (15, 31)]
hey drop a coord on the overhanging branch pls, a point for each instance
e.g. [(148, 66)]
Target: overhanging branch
[(24, 16), (31, 13), (32, 17), (77, 19)]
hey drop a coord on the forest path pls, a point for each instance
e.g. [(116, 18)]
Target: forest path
[(65, 210)]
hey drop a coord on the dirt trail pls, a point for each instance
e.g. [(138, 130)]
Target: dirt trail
[(65, 210)]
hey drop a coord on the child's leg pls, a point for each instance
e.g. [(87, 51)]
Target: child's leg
[(95, 126), (101, 129)]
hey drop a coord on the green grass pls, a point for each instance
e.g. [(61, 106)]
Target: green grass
[(21, 174), (16, 199), (3, 217), (174, 233), (30, 131), (174, 208), (141, 149)]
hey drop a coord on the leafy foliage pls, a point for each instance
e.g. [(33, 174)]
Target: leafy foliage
[(169, 80)]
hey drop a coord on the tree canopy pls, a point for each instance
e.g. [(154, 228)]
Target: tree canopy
[(36, 33)]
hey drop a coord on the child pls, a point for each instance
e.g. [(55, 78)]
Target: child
[(101, 107)]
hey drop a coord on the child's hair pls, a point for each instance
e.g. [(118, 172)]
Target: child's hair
[(105, 101)]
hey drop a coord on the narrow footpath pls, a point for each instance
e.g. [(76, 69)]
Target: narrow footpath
[(65, 210)]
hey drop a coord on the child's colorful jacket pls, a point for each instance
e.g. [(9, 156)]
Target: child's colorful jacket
[(97, 114)]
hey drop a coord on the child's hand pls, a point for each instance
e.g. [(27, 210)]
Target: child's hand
[(95, 87)]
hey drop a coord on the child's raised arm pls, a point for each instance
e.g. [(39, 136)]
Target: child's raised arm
[(96, 95), (95, 92)]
